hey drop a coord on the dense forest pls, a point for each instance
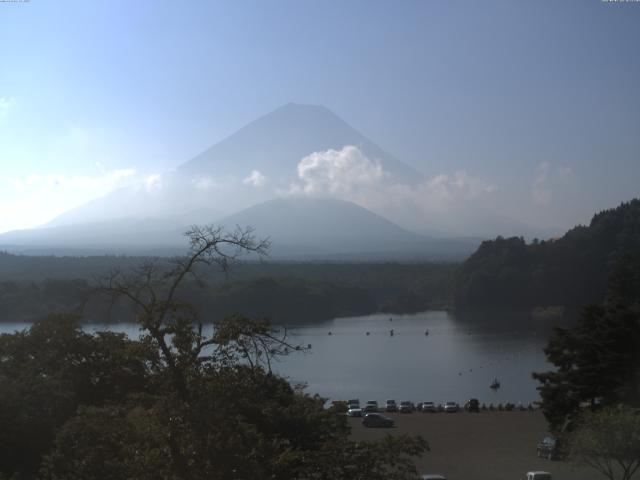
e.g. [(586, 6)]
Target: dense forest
[(32, 287), (571, 271)]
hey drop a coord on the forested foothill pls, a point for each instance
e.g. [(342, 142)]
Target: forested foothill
[(570, 271), (591, 399), (598, 360), (286, 293)]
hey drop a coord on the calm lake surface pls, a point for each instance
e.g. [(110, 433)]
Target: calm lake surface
[(459, 358)]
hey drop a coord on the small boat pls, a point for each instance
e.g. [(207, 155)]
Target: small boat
[(495, 384)]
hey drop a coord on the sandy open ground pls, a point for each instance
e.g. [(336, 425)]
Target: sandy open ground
[(485, 445)]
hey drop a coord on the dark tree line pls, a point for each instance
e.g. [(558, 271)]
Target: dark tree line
[(571, 271), (597, 361), (284, 293)]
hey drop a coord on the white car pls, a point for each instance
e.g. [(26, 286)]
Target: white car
[(450, 407), (354, 412), (538, 475), (429, 407), (406, 407)]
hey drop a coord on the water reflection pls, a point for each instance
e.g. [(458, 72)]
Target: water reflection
[(382, 356)]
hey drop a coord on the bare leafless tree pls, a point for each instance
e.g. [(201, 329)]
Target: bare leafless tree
[(174, 325)]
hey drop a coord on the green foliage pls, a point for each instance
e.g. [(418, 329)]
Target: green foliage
[(598, 361), (180, 403), (286, 293), (608, 441), (47, 372), (570, 271)]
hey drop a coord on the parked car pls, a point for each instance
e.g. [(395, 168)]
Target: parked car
[(429, 407), (371, 406), (547, 448), (538, 475), (376, 420), (406, 407), (450, 407), (472, 405), (391, 406), (433, 476), (354, 412)]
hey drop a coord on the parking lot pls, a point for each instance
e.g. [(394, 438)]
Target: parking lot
[(480, 446)]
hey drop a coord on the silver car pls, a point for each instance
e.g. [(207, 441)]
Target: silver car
[(354, 412), (429, 407), (451, 407)]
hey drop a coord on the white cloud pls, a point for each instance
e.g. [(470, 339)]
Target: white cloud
[(548, 176), (342, 173), (35, 199), (541, 192), (203, 183), (255, 179), (153, 182), (350, 175), (444, 189), (5, 105)]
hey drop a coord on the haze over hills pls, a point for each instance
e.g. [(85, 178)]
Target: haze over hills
[(257, 163), (298, 227), (301, 227), (284, 174)]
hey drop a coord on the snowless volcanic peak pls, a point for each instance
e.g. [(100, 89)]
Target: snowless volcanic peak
[(276, 174), (255, 164), (275, 143)]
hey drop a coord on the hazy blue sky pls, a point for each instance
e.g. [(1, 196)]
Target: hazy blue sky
[(539, 99)]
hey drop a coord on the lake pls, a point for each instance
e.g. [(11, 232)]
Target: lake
[(459, 358)]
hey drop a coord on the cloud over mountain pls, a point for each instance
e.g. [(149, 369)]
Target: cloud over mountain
[(349, 174), (299, 151)]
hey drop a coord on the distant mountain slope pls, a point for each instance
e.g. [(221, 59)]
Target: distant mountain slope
[(242, 178), (275, 143), (122, 236), (321, 222), (300, 228), (330, 228), (572, 270), (272, 145)]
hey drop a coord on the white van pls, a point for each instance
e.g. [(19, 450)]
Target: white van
[(538, 475)]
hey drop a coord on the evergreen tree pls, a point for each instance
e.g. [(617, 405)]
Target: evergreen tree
[(598, 361)]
